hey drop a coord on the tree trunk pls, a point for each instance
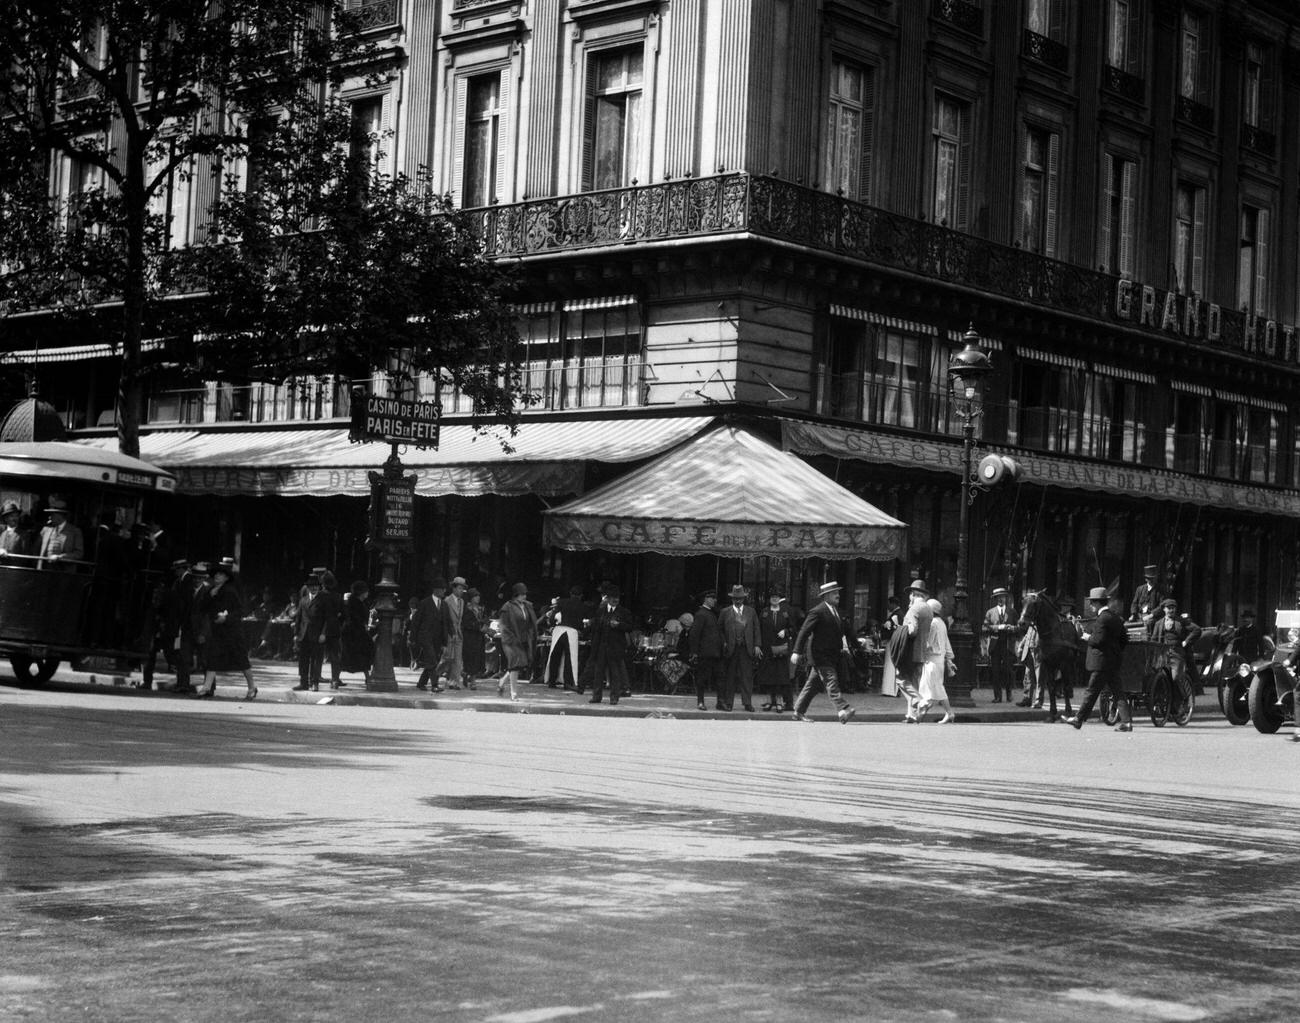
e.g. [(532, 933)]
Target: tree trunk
[(129, 390)]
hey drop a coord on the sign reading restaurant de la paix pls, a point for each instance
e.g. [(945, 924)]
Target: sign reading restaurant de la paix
[(1198, 320), (396, 420)]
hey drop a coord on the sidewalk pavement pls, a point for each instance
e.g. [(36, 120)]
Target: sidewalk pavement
[(275, 681)]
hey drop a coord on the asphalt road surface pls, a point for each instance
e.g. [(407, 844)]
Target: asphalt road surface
[(182, 861)]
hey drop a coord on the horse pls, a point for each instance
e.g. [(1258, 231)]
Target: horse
[(1053, 646)]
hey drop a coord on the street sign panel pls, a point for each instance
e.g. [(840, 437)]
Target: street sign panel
[(392, 511), (396, 420)]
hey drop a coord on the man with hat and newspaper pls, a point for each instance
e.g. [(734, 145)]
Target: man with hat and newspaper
[(826, 638), (1105, 638), (741, 650), (999, 630)]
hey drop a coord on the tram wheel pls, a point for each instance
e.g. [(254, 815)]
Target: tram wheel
[(1236, 700), (30, 670), (1108, 709), (1161, 691)]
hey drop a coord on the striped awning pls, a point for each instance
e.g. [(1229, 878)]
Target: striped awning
[(545, 458), (1181, 385), (607, 302), (71, 353), (1243, 399), (727, 492), (845, 312), (1119, 373), (1051, 358)]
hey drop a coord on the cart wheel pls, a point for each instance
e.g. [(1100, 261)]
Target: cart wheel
[(1221, 687), (1265, 714), (1161, 691), (1236, 700), (28, 670), (1186, 705), (1108, 709)]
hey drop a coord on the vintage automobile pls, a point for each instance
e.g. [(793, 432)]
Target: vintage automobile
[(1271, 682)]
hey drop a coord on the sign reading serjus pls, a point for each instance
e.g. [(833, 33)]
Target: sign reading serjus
[(395, 420)]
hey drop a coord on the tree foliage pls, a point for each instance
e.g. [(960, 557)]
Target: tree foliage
[(308, 259)]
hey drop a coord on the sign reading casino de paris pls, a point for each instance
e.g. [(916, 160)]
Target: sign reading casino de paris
[(394, 420)]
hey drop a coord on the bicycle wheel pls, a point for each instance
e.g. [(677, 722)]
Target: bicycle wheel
[(1160, 698)]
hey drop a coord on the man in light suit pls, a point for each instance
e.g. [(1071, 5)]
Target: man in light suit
[(61, 541), (740, 650), (999, 626), (825, 637)]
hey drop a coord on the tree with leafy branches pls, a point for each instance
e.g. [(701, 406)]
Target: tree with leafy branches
[(303, 258)]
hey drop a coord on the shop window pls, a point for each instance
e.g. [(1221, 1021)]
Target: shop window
[(587, 355), (480, 145), (886, 376), (1252, 260), (1261, 444), (951, 171), (612, 118), (1189, 238), (1183, 438), (1048, 401), (1039, 190), (850, 120), (1119, 217)]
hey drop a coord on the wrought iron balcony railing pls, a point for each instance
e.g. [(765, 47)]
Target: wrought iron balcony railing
[(1258, 140), (373, 15), (1121, 83), (965, 15), (1045, 51), (756, 205), (1198, 115)]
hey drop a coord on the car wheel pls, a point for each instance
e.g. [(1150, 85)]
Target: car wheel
[(1236, 700), (31, 671), (1265, 714)]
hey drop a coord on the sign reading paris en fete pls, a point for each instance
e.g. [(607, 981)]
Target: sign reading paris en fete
[(395, 420)]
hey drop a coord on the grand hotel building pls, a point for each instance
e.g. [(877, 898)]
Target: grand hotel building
[(785, 213)]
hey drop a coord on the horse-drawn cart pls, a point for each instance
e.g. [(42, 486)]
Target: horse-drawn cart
[(1149, 679)]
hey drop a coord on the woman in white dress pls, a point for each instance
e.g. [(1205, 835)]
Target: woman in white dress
[(938, 655)]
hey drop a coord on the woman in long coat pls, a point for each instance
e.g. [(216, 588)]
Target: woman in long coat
[(356, 649), (221, 611), (775, 632), (518, 634)]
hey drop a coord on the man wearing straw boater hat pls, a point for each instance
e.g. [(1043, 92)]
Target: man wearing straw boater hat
[(999, 628), (825, 637)]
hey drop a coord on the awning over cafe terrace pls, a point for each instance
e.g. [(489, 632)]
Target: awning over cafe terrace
[(546, 457), (728, 492)]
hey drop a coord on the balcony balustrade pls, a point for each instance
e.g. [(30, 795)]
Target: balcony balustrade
[(1198, 115), (373, 15), (1045, 51), (1121, 83), (961, 13), (1257, 140)]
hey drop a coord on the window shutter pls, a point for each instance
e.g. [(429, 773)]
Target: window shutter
[(501, 176), (1107, 179), (589, 128), (963, 167), (1027, 153), (1260, 305), (386, 144), (1198, 242), (1053, 166), (1203, 66), (1056, 24), (1127, 219), (458, 139), (1266, 89), (865, 193)]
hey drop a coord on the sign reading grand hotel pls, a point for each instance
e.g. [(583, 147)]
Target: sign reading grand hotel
[(395, 420), (1197, 320)]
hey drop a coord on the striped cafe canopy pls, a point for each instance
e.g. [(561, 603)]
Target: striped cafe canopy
[(727, 492)]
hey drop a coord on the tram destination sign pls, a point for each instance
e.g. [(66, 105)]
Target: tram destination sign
[(395, 420)]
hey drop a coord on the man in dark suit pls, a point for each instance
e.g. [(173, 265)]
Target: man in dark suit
[(706, 648), (1145, 605), (740, 650), (999, 628), (611, 626), (824, 638), (1105, 639), (427, 631), (179, 610)]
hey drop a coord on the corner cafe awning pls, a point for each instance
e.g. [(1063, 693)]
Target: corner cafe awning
[(547, 457), (727, 492)]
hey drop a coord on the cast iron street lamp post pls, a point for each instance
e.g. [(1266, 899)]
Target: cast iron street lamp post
[(967, 371)]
